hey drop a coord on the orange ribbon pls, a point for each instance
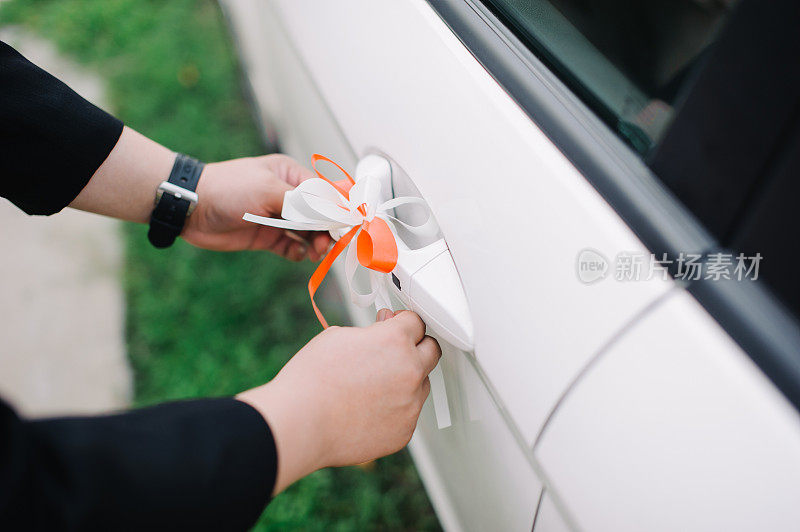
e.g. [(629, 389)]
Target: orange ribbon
[(375, 245)]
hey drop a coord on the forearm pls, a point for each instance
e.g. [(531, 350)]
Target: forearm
[(206, 464), (124, 185), (295, 429)]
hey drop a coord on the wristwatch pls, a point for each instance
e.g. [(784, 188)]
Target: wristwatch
[(175, 200)]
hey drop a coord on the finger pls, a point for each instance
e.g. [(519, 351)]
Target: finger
[(297, 237), (317, 242), (411, 324), (278, 242), (383, 314), (307, 248), (429, 352), (308, 237), (290, 170), (320, 243), (296, 252), (425, 389), (281, 247), (265, 238)]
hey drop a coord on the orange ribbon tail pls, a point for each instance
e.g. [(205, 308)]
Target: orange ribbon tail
[(323, 268)]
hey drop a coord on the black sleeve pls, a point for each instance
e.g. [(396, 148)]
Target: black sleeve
[(207, 464), (51, 139)]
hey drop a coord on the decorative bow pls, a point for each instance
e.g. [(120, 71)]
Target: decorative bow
[(352, 208), (349, 208)]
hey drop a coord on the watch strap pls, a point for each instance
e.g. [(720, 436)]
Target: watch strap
[(172, 208)]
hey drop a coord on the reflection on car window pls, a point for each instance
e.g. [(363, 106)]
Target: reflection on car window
[(627, 59)]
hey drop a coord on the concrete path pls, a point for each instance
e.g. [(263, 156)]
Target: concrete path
[(62, 347)]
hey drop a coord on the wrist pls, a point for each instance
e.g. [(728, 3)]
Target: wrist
[(297, 431), (124, 185), (203, 217), (175, 201)]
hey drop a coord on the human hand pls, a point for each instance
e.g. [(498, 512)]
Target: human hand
[(124, 186), (349, 396), (228, 189)]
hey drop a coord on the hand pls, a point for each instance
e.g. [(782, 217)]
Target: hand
[(349, 396), (125, 184), (228, 189)]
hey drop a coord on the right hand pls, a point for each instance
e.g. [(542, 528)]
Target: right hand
[(349, 396)]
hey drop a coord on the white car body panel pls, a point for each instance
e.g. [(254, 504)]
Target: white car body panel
[(680, 433), (548, 518), (350, 77), (513, 210)]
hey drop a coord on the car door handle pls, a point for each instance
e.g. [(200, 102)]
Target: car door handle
[(426, 280)]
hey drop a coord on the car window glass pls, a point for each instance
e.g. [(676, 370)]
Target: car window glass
[(626, 59)]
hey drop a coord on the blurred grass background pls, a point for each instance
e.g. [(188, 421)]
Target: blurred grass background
[(201, 323)]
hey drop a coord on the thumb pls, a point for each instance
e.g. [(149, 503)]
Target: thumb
[(273, 203)]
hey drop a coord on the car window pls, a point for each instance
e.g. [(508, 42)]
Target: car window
[(627, 60)]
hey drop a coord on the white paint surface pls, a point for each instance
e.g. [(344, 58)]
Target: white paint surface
[(548, 518), (351, 77), (675, 428), (514, 211)]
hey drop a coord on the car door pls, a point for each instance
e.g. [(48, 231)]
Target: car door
[(515, 212), (352, 78), (527, 140)]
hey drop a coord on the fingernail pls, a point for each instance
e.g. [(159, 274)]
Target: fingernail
[(294, 236), (300, 251), (383, 314)]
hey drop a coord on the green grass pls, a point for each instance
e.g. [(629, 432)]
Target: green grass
[(201, 323)]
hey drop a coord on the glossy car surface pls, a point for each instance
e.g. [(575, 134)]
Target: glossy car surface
[(649, 404)]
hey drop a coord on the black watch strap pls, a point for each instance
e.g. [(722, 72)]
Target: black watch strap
[(175, 201)]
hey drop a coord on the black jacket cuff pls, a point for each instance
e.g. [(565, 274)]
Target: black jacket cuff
[(51, 139)]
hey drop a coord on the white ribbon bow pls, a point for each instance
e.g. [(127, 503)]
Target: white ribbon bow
[(317, 205)]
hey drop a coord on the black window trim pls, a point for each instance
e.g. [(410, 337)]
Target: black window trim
[(747, 311)]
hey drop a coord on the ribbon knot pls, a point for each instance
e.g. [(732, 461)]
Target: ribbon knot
[(349, 209)]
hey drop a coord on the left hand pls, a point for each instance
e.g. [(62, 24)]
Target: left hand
[(350, 395), (228, 189)]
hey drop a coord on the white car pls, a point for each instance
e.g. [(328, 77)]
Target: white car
[(606, 179)]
